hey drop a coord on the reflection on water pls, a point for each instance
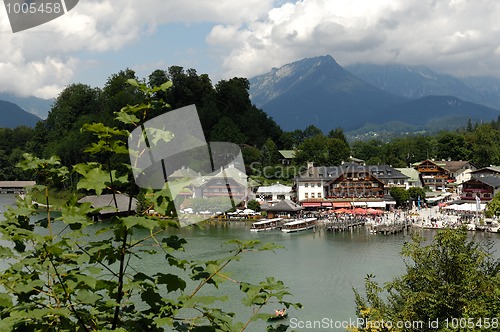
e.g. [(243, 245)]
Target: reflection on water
[(320, 268)]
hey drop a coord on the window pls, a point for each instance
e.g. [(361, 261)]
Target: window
[(306, 195), (306, 185), (318, 184), (319, 195), (312, 195)]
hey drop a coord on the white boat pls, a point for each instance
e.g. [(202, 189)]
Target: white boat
[(266, 225), (494, 228), (298, 225)]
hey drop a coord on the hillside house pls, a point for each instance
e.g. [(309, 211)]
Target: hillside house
[(485, 188), (339, 185)]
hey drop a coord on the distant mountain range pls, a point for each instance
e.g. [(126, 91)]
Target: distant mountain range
[(367, 97), (12, 116), (37, 106), (419, 81)]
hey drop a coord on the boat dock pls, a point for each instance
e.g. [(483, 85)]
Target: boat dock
[(344, 225), (390, 228)]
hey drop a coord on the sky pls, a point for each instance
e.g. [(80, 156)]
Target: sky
[(245, 38)]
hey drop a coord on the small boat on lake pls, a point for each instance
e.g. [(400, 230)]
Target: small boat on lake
[(298, 225), (266, 225)]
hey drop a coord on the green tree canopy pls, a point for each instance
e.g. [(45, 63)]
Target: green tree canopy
[(451, 278)]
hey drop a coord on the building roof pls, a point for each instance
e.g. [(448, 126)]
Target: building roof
[(450, 165), (386, 172), (492, 169), (184, 172), (332, 173), (492, 181), (287, 154), (106, 203), (277, 188), (16, 184), (285, 205), (454, 165), (411, 173)]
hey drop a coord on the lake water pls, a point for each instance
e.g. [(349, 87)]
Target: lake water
[(320, 268)]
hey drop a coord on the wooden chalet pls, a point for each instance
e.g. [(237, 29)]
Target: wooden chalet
[(433, 175), (285, 208), (486, 171), (229, 179), (443, 174), (355, 182), (483, 187)]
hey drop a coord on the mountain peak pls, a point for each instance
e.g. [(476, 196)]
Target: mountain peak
[(315, 91), (264, 88)]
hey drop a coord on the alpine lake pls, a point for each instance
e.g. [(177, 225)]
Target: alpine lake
[(320, 268)]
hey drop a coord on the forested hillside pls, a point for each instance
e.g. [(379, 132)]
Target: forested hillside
[(12, 116), (227, 114)]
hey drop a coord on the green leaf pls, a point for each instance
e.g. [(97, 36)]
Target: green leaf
[(87, 280), (135, 221), (127, 118), (5, 301), (174, 242), (94, 178), (76, 214), (172, 281)]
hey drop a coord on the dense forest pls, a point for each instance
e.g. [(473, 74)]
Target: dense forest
[(227, 114)]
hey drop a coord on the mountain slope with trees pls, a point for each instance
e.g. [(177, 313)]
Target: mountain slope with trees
[(395, 99), (319, 92), (12, 116)]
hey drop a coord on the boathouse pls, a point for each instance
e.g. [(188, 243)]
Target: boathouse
[(15, 187), (285, 209), (124, 206)]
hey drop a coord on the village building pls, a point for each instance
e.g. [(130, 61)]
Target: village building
[(286, 156), (274, 193), (283, 209), (486, 171), (443, 175), (484, 188), (347, 185), (228, 182), (413, 177)]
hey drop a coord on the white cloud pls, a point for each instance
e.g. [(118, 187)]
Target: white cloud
[(251, 36), (457, 36), (42, 60)]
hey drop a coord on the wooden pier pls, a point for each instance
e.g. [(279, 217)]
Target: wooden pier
[(344, 225), (390, 228)]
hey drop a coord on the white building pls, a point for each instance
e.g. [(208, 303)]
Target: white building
[(276, 192)]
